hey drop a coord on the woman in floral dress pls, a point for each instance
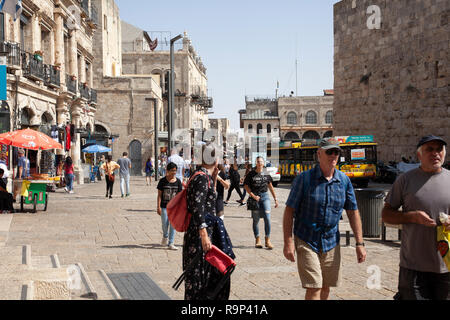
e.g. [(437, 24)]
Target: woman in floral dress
[(201, 278)]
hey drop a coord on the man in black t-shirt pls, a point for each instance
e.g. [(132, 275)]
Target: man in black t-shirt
[(168, 187)]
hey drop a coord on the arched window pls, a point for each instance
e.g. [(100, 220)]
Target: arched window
[(259, 128), (269, 128), (25, 117), (311, 117), (250, 128), (292, 118), (329, 117), (328, 134)]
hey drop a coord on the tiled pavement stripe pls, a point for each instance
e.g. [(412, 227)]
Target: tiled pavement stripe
[(137, 286)]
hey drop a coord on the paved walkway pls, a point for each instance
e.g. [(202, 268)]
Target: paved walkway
[(123, 235)]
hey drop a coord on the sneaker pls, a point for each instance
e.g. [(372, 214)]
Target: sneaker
[(242, 203), (110, 197), (71, 191), (65, 188), (122, 196), (172, 247), (164, 241), (127, 195)]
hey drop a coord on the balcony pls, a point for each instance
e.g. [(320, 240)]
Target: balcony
[(84, 91), (52, 76), (13, 53), (93, 98), (32, 66), (71, 83)]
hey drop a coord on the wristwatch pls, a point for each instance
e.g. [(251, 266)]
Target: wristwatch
[(203, 225), (359, 244)]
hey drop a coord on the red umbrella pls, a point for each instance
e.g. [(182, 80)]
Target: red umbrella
[(29, 139)]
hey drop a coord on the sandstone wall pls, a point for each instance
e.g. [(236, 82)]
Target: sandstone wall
[(392, 82)]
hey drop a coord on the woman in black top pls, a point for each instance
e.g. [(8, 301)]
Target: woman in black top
[(201, 278), (257, 184), (235, 180)]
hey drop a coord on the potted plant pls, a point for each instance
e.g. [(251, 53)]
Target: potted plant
[(85, 85), (57, 66), (38, 55), (73, 77)]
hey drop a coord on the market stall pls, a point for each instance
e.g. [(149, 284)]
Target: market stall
[(33, 189)]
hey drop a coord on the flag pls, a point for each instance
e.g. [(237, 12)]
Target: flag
[(11, 7)]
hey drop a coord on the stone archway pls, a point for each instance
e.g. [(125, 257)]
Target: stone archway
[(311, 135), (291, 136)]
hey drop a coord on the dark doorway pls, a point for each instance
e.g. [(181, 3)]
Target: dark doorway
[(136, 158)]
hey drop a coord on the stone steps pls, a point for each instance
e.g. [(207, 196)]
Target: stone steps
[(27, 277)]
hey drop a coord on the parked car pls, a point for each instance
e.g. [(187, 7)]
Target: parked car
[(273, 172)]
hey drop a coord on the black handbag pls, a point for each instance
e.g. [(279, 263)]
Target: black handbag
[(252, 204)]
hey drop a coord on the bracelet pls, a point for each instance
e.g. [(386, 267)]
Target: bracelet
[(360, 244), (203, 225)]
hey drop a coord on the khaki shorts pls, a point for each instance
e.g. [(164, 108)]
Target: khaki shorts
[(318, 270)]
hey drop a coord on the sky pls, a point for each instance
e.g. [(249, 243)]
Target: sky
[(248, 46)]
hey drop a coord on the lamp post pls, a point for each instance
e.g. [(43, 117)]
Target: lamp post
[(155, 132), (171, 92)]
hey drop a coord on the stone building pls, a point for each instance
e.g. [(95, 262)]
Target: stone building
[(289, 118), (306, 117), (192, 104), (222, 125), (125, 116), (49, 79), (392, 72)]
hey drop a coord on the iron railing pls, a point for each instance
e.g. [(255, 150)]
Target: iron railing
[(84, 91), (32, 66), (13, 53), (93, 96), (52, 76), (71, 84)]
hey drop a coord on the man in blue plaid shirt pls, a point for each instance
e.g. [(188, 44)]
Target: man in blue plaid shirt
[(311, 220)]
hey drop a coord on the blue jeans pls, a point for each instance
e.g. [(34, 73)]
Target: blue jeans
[(263, 212), (167, 229), (124, 179), (69, 181)]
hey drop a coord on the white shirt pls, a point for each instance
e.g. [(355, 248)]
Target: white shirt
[(5, 169), (180, 165)]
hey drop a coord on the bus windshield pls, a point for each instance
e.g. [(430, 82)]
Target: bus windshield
[(358, 153)]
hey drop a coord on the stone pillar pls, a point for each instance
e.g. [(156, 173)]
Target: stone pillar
[(82, 75), (35, 33), (73, 54), (59, 46)]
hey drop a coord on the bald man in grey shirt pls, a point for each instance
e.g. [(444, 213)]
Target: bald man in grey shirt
[(422, 193)]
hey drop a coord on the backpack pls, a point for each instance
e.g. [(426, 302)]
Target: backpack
[(177, 211)]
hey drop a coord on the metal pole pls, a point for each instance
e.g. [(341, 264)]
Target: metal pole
[(155, 110), (171, 93)]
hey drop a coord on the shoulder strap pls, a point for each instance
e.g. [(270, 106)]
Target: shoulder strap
[(196, 174)]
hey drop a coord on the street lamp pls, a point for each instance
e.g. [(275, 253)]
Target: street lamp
[(171, 92)]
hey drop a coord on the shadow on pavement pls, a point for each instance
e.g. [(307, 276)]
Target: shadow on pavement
[(137, 246)]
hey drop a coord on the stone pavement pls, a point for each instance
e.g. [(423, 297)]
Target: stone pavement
[(123, 235)]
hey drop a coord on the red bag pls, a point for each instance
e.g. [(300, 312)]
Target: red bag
[(220, 260), (177, 212)]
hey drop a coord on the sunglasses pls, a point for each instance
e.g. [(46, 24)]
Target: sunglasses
[(335, 152)]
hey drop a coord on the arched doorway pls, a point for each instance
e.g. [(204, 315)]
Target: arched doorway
[(291, 136), (311, 135), (135, 155), (328, 134)]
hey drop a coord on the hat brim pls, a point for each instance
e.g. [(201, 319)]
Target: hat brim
[(331, 147), (436, 139)]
